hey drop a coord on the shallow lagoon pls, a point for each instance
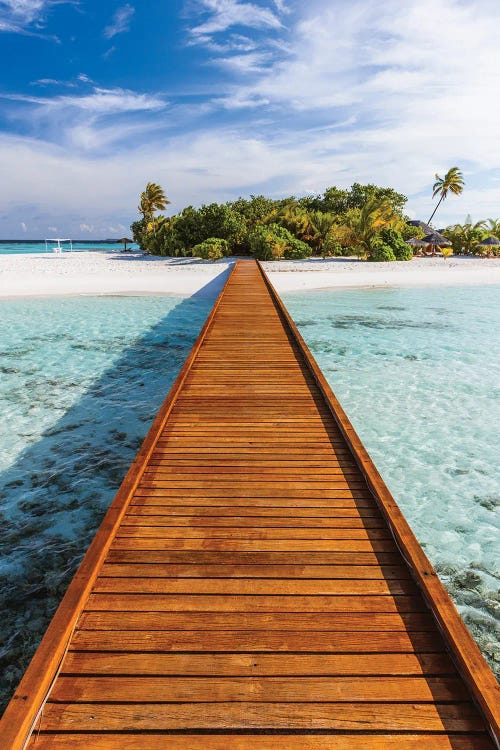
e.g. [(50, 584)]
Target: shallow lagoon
[(81, 379), (418, 371)]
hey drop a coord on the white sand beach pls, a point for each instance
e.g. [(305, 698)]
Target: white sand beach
[(96, 273)]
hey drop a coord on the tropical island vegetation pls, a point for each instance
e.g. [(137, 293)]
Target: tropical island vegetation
[(366, 221)]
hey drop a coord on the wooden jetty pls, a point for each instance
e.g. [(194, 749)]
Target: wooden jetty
[(254, 584)]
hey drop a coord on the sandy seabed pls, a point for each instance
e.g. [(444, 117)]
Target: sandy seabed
[(95, 273)]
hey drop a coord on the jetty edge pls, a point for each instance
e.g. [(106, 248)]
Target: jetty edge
[(255, 417)]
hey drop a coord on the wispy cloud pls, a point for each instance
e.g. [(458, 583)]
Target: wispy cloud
[(225, 14), (27, 16), (44, 82), (100, 101), (106, 55), (88, 122), (121, 21)]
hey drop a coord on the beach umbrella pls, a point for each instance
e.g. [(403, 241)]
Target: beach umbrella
[(125, 241), (489, 242), (436, 239), (417, 223)]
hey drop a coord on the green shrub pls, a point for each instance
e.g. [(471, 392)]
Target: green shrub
[(274, 242), (264, 244), (332, 248), (297, 250), (394, 239), (213, 248), (379, 251)]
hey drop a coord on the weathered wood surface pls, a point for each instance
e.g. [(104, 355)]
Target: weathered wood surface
[(245, 590)]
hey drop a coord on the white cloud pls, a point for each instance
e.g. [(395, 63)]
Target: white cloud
[(24, 227), (87, 228), (100, 101), (26, 16), (358, 92), (232, 43), (224, 14), (106, 55), (107, 101), (24, 11), (245, 64), (121, 21), (90, 122), (53, 82)]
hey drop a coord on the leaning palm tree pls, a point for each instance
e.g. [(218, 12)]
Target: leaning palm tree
[(452, 182)]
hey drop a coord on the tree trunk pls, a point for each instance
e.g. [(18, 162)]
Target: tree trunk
[(439, 203)]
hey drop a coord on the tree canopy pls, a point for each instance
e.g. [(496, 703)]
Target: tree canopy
[(366, 220)]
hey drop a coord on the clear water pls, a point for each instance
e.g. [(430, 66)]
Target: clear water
[(418, 372), (80, 381), (17, 248)]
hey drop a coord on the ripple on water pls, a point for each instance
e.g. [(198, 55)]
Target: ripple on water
[(79, 404), (417, 370)]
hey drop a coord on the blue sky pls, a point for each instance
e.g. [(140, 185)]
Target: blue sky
[(219, 98)]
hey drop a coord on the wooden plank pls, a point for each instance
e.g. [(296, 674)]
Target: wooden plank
[(355, 622), (238, 665), (258, 689), (244, 603), (253, 586), (251, 641), (127, 531), (337, 499), (197, 513), (278, 572), (250, 558), (256, 545), (222, 741), (287, 716)]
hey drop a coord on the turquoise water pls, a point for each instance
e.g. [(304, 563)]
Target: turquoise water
[(16, 248), (418, 372), (80, 382)]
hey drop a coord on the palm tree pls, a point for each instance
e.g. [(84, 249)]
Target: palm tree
[(363, 224), (152, 199), (321, 224), (452, 182), (296, 220), (494, 228), (465, 237)]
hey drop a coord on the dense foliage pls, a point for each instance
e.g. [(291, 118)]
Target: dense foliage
[(212, 249), (366, 221), (273, 242)]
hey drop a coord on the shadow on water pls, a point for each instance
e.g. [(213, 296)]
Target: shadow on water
[(54, 496)]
